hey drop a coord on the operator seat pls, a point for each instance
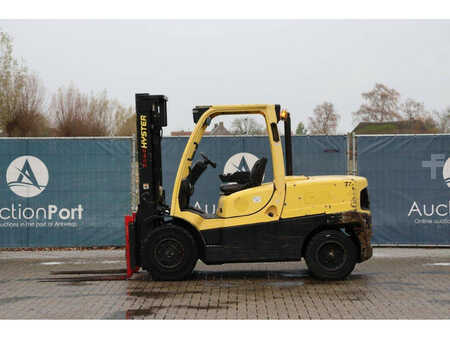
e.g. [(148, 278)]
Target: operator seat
[(256, 177)]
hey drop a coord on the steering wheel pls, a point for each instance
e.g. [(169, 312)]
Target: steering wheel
[(207, 160)]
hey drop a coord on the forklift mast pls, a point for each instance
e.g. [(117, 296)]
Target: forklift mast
[(151, 116)]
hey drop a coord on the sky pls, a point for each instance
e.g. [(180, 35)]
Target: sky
[(296, 63)]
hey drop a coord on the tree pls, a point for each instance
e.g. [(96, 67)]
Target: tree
[(413, 110), (12, 79), (435, 121), (442, 120), (9, 74), (21, 96), (79, 114), (381, 105), (301, 130), (128, 126), (247, 126), (26, 117), (325, 120)]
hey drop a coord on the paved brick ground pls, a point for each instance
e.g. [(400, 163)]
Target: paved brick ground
[(396, 283)]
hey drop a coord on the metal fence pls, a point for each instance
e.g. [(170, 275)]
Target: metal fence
[(74, 192)]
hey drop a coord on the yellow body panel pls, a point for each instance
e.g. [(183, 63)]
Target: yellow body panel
[(245, 202), (322, 195)]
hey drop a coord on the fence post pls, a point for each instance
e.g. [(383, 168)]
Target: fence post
[(348, 155), (355, 171)]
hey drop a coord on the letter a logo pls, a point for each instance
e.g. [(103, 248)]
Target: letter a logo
[(240, 162), (27, 176)]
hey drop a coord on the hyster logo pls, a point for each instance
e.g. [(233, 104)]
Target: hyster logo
[(143, 131), (240, 162), (27, 176)]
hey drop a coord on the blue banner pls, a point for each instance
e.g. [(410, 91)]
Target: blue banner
[(409, 185), (64, 192)]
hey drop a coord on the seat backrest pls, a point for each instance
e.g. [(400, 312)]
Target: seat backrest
[(257, 172)]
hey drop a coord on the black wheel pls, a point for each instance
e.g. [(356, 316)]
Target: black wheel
[(172, 253), (331, 255)]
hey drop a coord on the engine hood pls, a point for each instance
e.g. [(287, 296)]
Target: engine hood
[(312, 195)]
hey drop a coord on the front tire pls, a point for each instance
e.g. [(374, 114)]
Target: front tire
[(172, 253), (331, 255)]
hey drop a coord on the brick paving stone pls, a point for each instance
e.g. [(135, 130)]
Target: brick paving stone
[(397, 283)]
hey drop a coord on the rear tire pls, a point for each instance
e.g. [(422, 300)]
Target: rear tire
[(331, 255), (172, 253)]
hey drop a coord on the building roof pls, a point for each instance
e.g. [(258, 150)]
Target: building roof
[(219, 129), (393, 127), (185, 133), (181, 133)]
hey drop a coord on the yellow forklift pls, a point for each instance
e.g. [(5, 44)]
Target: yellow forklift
[(324, 219)]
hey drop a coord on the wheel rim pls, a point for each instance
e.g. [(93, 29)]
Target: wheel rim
[(169, 253), (331, 255)]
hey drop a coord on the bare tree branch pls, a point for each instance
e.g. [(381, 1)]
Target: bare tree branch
[(247, 126), (381, 105), (126, 122), (442, 120), (413, 110), (325, 120), (79, 114), (21, 96)]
